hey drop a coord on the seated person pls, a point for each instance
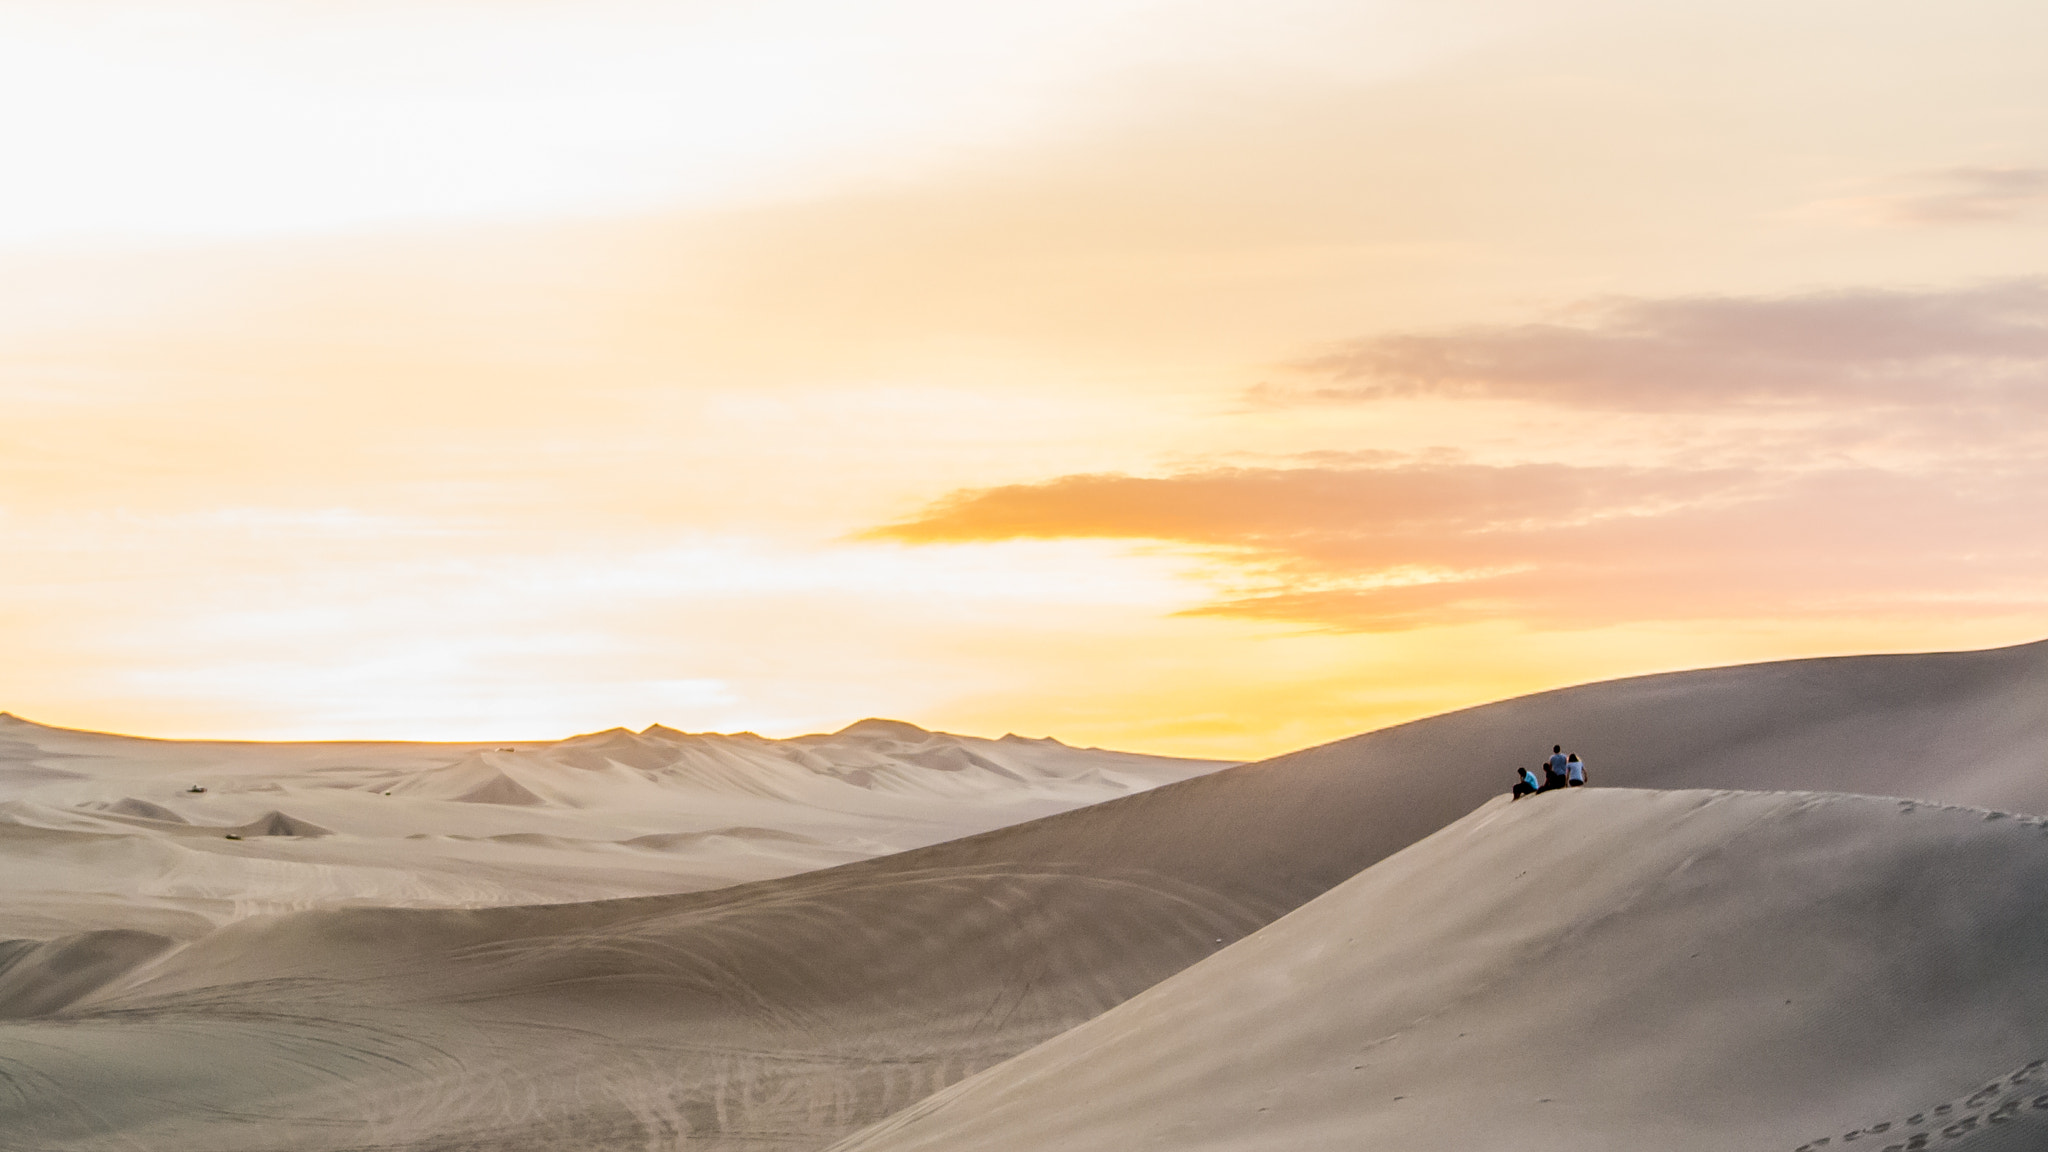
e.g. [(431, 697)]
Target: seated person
[(1553, 769), (1525, 783)]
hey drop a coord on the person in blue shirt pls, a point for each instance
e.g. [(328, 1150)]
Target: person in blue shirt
[(1525, 784), (1554, 770)]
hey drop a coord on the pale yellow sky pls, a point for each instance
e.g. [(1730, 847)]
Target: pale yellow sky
[(1203, 377)]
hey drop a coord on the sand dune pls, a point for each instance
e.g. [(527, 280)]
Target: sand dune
[(38, 977), (788, 1013), (140, 809), (100, 831), (1609, 969), (767, 1015)]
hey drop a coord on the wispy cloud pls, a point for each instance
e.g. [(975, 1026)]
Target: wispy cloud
[(1976, 345), (1372, 512), (1970, 195), (1403, 545)]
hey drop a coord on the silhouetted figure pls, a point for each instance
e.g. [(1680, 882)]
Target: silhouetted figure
[(1525, 783), (1575, 771)]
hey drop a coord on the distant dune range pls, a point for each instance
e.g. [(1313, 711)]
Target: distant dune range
[(177, 837), (790, 1012)]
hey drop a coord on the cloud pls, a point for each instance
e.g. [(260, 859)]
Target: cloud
[(1978, 346), (1307, 510), (1910, 484), (1950, 196), (1391, 545)]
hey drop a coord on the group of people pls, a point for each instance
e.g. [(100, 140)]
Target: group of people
[(1560, 771)]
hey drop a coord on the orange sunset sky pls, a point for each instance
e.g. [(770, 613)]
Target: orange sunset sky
[(1205, 377)]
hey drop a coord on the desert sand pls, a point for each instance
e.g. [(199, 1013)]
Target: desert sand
[(1608, 969), (104, 831), (1788, 910)]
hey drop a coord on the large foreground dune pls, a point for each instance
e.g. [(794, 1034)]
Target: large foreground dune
[(1607, 969), (788, 1013)]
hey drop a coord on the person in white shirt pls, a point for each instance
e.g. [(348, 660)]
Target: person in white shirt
[(1575, 771)]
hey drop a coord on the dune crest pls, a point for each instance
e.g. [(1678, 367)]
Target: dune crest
[(141, 810), (275, 823)]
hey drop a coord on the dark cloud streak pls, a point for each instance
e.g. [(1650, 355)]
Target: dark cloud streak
[(1970, 196), (1984, 345)]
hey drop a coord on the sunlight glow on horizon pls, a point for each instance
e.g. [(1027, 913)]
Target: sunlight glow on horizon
[(1181, 375)]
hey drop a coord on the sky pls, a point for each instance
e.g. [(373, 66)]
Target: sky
[(1191, 376)]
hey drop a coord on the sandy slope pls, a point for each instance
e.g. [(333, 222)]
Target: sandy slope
[(102, 831), (788, 1013), (776, 1014), (1610, 969)]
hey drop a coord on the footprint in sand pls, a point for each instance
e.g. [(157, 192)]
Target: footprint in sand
[(1996, 1107)]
